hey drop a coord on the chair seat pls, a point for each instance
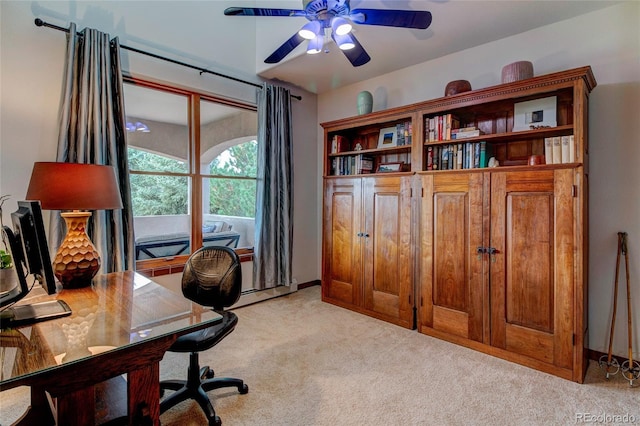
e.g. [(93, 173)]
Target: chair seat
[(206, 338)]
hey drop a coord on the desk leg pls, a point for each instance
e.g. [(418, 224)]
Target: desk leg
[(143, 388), (77, 408)]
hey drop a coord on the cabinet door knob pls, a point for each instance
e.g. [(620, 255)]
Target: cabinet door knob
[(492, 253), (366, 235)]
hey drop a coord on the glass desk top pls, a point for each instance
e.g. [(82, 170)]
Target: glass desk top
[(118, 312)]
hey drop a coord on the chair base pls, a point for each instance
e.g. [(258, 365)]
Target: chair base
[(196, 388)]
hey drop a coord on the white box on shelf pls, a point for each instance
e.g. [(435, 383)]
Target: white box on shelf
[(534, 114)]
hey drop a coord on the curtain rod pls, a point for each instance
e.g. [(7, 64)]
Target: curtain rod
[(40, 23)]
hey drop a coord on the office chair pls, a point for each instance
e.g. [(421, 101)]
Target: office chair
[(211, 277)]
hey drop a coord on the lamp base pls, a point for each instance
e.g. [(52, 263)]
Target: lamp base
[(77, 260)]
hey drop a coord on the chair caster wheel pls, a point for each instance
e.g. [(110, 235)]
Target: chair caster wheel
[(215, 421), (207, 373), (244, 390)]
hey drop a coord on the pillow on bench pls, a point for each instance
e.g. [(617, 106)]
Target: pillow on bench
[(217, 226)]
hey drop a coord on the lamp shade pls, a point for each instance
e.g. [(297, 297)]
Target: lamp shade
[(344, 42), (315, 45), (310, 30), (74, 186), (340, 26)]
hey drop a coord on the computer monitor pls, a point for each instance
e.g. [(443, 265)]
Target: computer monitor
[(28, 228), (15, 285), (30, 252)]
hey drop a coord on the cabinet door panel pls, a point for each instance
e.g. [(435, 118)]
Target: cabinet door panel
[(531, 273), (451, 230), (342, 267), (529, 255), (387, 250)]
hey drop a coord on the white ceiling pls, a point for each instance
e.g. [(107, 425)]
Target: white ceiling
[(197, 32), (456, 26)]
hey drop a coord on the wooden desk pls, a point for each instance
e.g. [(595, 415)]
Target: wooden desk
[(123, 323)]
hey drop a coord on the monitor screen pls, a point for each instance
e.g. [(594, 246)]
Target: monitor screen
[(28, 227)]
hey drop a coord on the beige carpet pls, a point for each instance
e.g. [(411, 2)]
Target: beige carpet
[(310, 363)]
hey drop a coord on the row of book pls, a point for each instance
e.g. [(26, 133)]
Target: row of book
[(559, 149), (463, 155), (447, 127), (352, 165), (404, 132)]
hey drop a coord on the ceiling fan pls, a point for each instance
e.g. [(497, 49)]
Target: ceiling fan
[(334, 17)]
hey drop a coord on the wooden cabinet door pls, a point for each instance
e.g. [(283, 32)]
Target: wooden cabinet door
[(342, 245), (451, 230), (387, 261), (531, 273)]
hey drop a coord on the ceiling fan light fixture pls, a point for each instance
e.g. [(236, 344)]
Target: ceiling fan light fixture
[(340, 26), (315, 45), (310, 30), (344, 42)]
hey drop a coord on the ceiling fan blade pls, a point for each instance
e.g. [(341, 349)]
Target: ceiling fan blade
[(286, 48), (392, 18), (256, 11), (357, 56)]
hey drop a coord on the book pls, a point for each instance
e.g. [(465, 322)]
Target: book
[(548, 150), (564, 141), (557, 150), (466, 134), (400, 134), (430, 158), (452, 160), (572, 149), (436, 158), (463, 129), (445, 157), (460, 156)]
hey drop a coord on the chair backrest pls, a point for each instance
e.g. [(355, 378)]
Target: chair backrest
[(212, 276)]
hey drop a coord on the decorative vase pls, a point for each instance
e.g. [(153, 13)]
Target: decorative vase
[(517, 71), (365, 102), (457, 86)]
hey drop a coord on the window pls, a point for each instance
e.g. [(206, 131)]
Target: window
[(179, 203)]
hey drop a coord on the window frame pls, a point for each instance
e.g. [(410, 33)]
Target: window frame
[(174, 264)]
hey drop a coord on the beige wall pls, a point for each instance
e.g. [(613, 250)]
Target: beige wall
[(31, 72), (609, 41)]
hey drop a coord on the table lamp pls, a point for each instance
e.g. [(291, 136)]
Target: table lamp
[(77, 187)]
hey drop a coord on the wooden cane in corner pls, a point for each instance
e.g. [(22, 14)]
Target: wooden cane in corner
[(630, 368), (609, 364)]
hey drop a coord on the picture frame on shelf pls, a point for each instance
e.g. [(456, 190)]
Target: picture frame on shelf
[(388, 137), (397, 166), (535, 114)]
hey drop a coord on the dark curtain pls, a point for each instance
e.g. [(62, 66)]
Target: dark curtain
[(274, 207), (92, 131)]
